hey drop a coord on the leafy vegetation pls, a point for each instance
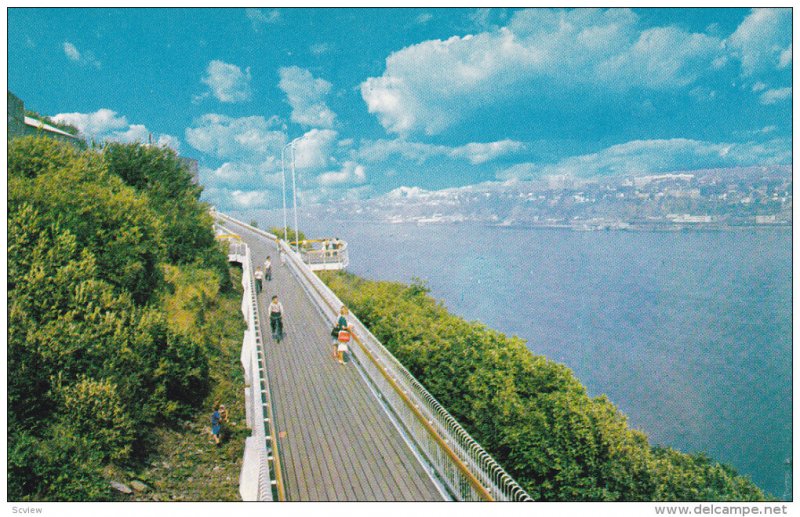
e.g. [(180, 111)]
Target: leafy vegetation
[(107, 341), (292, 236), (531, 414)]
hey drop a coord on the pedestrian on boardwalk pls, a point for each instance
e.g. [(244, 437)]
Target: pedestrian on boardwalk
[(216, 424), (283, 257), (268, 269), (276, 319), (259, 279), (341, 335)]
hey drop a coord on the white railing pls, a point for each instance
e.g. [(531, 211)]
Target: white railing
[(327, 259), (455, 458), (260, 465)]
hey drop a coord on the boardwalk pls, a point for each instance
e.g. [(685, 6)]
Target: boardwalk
[(336, 441)]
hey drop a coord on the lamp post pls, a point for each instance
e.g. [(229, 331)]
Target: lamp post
[(294, 194), (294, 199), (283, 181)]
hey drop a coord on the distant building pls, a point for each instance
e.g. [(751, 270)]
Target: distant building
[(191, 166), (20, 125)]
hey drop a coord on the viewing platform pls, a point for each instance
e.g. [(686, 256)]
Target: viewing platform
[(324, 254)]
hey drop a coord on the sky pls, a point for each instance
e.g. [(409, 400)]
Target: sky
[(429, 98)]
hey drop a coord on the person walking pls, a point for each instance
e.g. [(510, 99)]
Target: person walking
[(282, 255), (259, 274), (341, 335), (276, 319), (268, 269), (216, 424)]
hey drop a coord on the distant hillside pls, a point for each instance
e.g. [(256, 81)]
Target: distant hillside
[(714, 197)]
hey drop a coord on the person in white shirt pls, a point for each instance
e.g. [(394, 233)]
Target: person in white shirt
[(268, 269), (283, 257), (276, 319), (259, 275)]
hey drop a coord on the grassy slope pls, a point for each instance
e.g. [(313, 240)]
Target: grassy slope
[(186, 465)]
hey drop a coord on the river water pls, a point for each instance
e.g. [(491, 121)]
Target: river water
[(688, 333)]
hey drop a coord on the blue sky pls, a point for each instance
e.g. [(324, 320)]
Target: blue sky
[(433, 98)]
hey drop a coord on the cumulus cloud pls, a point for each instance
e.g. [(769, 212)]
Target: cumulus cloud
[(92, 124), (306, 96), (350, 173), (648, 156), (106, 125), (429, 86), (86, 58), (474, 152), (227, 137), (775, 96), (227, 82), (242, 175), (313, 151), (763, 40)]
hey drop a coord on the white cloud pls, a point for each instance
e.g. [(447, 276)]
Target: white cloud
[(313, 151), (243, 176), (227, 137), (319, 48), (424, 18), (647, 156), (763, 40), (106, 125), (71, 51), (785, 58), (432, 85), (474, 152), (173, 142), (93, 124), (775, 96), (478, 153), (306, 96), (351, 172), (227, 82), (86, 58), (259, 18), (134, 133)]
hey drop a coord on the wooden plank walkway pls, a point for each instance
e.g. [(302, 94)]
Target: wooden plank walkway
[(336, 441)]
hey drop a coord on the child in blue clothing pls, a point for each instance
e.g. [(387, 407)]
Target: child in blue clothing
[(216, 424)]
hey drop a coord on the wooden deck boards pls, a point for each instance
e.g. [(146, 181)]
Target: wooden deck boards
[(336, 441)]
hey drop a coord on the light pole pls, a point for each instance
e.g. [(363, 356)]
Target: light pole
[(294, 194), (294, 199), (283, 180)]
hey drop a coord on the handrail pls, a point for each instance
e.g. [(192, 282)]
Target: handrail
[(259, 410), (476, 475)]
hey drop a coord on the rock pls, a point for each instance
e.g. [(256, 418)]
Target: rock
[(139, 486), (119, 487), (166, 465)]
